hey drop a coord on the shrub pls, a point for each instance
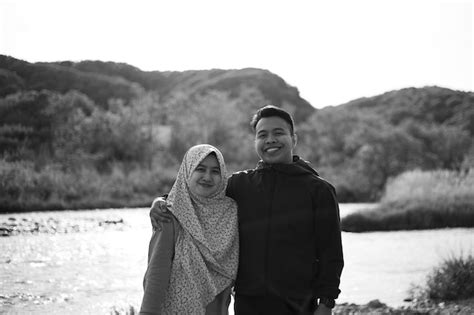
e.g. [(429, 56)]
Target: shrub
[(452, 280), (420, 200), (124, 310), (434, 186), (24, 188)]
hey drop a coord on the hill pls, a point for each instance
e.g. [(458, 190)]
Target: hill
[(431, 104), (93, 133), (360, 145), (101, 81)]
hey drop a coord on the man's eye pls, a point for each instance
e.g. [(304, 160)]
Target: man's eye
[(217, 172), (199, 169)]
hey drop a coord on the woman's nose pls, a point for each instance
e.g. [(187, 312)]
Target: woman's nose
[(206, 176)]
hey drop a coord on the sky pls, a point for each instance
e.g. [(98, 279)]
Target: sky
[(333, 51)]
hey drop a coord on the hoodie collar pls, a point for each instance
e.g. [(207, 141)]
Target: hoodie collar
[(298, 167)]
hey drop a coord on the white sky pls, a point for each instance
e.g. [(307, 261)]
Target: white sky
[(332, 51)]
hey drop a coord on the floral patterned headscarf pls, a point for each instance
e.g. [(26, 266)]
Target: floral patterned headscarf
[(206, 251)]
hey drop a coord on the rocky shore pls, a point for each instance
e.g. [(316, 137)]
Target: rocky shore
[(16, 225), (415, 307), (375, 307)]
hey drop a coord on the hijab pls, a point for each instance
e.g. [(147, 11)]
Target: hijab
[(206, 250)]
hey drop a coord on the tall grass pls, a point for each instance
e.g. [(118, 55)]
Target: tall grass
[(452, 280), (24, 188), (440, 186), (420, 200)]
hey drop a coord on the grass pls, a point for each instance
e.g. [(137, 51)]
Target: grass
[(23, 188), (420, 200), (124, 310), (452, 280)]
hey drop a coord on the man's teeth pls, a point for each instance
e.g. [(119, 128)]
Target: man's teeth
[(272, 149)]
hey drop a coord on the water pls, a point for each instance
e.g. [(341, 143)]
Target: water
[(92, 271)]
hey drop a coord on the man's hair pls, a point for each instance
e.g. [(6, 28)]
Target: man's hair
[(272, 111)]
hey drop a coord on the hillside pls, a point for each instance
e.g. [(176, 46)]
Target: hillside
[(360, 145), (97, 134), (430, 104), (101, 81)]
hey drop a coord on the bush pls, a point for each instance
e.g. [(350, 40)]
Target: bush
[(452, 280), (24, 188), (124, 310), (420, 200), (440, 186)]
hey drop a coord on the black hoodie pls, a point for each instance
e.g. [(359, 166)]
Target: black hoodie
[(290, 236)]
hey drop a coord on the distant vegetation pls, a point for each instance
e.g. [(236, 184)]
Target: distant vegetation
[(99, 134), (420, 200)]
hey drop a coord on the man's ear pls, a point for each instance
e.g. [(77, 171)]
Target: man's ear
[(294, 137)]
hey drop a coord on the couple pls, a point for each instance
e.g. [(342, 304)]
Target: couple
[(285, 257)]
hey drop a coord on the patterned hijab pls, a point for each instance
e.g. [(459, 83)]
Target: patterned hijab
[(207, 249)]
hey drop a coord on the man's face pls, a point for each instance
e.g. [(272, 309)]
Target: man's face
[(274, 142)]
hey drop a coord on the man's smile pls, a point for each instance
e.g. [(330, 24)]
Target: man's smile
[(272, 149)]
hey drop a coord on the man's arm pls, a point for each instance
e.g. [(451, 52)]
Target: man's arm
[(159, 213), (328, 243)]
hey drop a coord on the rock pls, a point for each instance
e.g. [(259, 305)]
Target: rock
[(376, 304), (117, 221), (4, 231)]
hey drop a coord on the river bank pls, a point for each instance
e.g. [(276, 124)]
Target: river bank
[(418, 307), (34, 223), (375, 307)]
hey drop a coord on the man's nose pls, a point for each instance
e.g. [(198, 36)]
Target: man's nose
[(270, 139)]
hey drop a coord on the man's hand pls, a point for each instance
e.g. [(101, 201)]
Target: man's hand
[(323, 310), (159, 213)]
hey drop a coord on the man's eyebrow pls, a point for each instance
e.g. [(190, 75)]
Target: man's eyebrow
[(272, 130)]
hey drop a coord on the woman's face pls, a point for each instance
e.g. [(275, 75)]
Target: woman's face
[(206, 178)]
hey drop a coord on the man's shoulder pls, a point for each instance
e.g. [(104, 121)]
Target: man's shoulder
[(237, 181), (243, 173), (321, 183)]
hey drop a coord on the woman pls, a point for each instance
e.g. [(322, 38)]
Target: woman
[(192, 261)]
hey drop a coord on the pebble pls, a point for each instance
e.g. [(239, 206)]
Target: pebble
[(424, 307)]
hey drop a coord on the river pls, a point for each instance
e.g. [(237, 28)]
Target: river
[(92, 271)]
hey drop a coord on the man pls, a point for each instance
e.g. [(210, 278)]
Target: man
[(290, 238)]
